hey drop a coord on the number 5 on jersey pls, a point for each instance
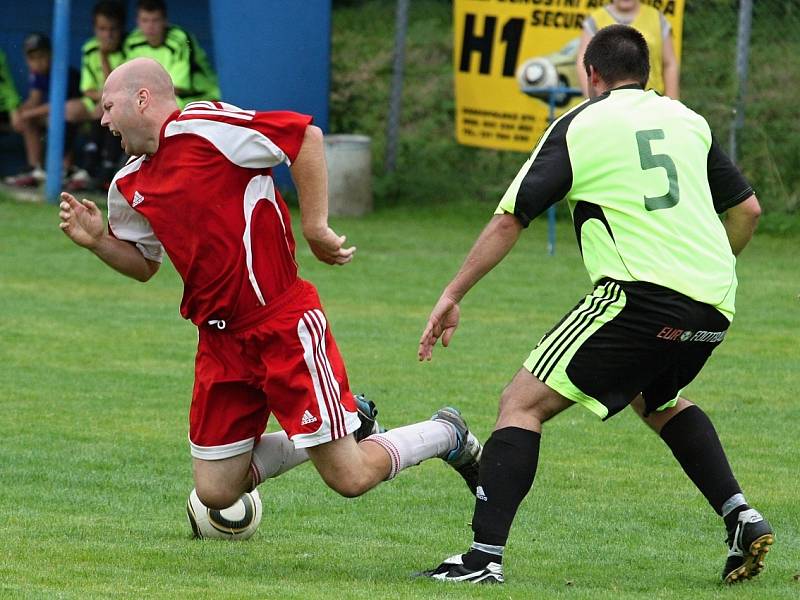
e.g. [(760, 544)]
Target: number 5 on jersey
[(648, 160)]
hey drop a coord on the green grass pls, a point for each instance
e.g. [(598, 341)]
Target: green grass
[(96, 376)]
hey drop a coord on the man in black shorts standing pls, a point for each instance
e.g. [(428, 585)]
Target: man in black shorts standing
[(644, 181)]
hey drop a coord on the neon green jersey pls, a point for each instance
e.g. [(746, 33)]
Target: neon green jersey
[(645, 182), (9, 98), (92, 74), (184, 60)]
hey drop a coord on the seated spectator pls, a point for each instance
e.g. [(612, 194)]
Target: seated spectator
[(176, 50), (100, 55), (9, 98), (30, 118)]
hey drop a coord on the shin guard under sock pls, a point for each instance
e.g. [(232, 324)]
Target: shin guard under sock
[(507, 469), (694, 442)]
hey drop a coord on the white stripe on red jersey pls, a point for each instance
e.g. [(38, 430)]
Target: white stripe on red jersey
[(199, 104), (124, 223), (218, 113), (260, 188), (242, 146), (217, 108)]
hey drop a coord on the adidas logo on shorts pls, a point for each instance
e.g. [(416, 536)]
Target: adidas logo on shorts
[(308, 418)]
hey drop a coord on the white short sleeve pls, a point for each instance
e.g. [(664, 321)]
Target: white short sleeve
[(126, 224)]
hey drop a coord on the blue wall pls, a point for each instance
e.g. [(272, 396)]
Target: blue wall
[(278, 57)]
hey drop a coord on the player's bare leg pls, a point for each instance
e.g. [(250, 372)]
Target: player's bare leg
[(220, 483), (353, 468), (526, 403), (224, 480), (691, 436), (219, 480), (349, 468), (657, 419)]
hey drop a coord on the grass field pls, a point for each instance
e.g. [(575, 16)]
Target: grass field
[(96, 375)]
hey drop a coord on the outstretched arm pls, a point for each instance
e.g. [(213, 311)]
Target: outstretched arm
[(310, 176), (492, 245), (83, 223)]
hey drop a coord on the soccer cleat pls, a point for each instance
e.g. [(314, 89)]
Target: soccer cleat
[(30, 178), (77, 180), (465, 457), (453, 569), (367, 414), (748, 545)]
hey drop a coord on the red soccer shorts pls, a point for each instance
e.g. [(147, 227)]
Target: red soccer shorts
[(286, 364)]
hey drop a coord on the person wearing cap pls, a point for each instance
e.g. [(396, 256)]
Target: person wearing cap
[(30, 118)]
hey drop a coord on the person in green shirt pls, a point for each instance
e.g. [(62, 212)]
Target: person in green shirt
[(175, 49), (101, 54), (9, 98), (645, 182)]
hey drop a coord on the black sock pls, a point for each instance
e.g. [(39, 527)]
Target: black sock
[(508, 466), (694, 442)]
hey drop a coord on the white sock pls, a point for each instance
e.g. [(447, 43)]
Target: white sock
[(410, 445), (273, 455), (732, 504)]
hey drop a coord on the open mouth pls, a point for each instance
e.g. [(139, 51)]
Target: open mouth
[(117, 134)]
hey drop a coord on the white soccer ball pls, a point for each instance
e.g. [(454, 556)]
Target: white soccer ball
[(537, 73), (237, 522)]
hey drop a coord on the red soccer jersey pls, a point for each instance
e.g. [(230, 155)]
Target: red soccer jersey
[(207, 197)]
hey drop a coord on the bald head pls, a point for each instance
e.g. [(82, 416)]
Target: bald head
[(141, 73), (138, 98)]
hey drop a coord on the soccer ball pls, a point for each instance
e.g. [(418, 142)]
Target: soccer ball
[(237, 522), (537, 73)]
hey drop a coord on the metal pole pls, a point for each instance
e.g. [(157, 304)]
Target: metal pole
[(742, 59), (58, 97), (401, 25)]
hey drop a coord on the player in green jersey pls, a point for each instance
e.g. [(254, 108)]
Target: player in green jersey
[(644, 181), (9, 98), (100, 54), (175, 49)]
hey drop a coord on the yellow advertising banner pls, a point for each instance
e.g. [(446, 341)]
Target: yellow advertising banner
[(495, 38)]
